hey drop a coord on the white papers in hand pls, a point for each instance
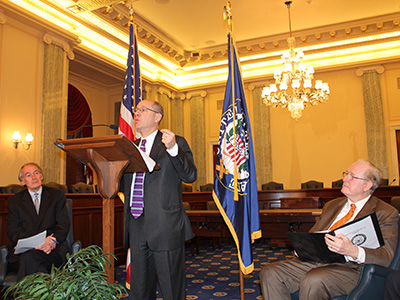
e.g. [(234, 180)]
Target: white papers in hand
[(30, 242), (362, 233), (150, 163)]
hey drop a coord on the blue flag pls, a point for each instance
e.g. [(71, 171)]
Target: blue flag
[(132, 89), (235, 185)]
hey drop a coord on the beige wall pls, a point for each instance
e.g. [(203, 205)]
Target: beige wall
[(319, 146), (21, 52)]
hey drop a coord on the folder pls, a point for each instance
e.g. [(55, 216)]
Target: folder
[(364, 232)]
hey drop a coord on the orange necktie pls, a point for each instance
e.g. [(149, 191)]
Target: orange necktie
[(345, 218)]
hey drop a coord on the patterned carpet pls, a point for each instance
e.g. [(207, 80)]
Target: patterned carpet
[(214, 274)]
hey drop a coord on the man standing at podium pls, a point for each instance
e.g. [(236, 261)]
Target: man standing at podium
[(156, 225)]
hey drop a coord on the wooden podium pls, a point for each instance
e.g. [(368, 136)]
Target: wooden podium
[(109, 157)]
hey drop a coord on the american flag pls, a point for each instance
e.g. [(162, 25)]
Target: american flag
[(132, 89), (132, 96)]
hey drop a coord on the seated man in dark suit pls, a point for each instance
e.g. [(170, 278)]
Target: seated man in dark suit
[(324, 281), (31, 211)]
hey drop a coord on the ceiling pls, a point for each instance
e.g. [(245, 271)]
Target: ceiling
[(191, 36), (195, 25)]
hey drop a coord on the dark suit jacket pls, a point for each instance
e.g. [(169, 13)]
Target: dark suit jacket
[(22, 220), (166, 225), (388, 220)]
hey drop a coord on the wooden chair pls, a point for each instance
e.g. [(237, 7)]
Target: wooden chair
[(312, 184)]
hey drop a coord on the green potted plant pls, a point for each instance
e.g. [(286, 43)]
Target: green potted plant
[(82, 277)]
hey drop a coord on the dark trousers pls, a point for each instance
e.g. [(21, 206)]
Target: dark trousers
[(147, 266), (34, 261), (392, 286)]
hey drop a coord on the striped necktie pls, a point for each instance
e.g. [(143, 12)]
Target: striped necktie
[(137, 195), (346, 218), (36, 202)]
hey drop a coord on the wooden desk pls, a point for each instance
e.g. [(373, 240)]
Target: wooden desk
[(271, 198), (274, 223)]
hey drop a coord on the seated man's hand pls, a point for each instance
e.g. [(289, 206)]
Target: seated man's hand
[(48, 245), (341, 244)]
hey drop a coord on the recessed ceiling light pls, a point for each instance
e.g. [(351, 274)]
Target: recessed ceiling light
[(210, 42)]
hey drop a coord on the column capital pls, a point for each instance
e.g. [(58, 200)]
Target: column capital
[(163, 90), (376, 68), (3, 18), (52, 39), (252, 85), (201, 93)]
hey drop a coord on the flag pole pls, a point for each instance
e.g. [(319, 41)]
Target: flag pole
[(228, 17), (132, 23)]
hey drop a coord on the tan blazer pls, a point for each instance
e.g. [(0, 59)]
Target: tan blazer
[(388, 218)]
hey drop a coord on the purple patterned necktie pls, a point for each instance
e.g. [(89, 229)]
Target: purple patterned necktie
[(137, 196)]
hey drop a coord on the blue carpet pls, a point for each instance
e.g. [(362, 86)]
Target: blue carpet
[(214, 274)]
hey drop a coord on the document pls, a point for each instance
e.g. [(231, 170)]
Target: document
[(364, 232), (30, 243), (150, 163)]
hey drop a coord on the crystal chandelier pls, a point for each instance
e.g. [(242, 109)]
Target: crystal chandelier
[(293, 82)]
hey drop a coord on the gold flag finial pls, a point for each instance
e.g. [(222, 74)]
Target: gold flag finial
[(228, 14)]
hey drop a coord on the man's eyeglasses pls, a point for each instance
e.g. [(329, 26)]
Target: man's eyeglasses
[(143, 109), (345, 173), (29, 175)]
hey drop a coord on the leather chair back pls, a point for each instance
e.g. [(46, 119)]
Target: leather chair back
[(81, 187), (312, 184), (272, 185), (209, 187)]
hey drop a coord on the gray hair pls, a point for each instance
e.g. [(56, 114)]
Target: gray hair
[(373, 174), (158, 108), (28, 164)]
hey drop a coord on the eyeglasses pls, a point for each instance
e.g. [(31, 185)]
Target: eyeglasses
[(30, 175), (346, 173), (143, 109)]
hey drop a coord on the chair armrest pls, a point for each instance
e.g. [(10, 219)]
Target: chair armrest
[(3, 263), (371, 283), (76, 246)]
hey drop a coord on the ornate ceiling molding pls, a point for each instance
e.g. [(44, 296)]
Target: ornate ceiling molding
[(351, 32)]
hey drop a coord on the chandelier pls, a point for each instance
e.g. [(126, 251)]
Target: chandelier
[(293, 82)]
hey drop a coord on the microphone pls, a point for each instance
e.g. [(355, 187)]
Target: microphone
[(112, 126), (394, 179), (61, 146)]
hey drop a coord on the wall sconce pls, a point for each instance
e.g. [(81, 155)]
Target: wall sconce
[(17, 139)]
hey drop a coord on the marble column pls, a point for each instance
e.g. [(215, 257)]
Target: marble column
[(374, 116), (54, 106), (261, 128), (198, 136)]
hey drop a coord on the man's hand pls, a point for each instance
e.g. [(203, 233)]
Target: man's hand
[(168, 138), (341, 244), (49, 244)]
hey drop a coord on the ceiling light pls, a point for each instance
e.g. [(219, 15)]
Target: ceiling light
[(293, 82)]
